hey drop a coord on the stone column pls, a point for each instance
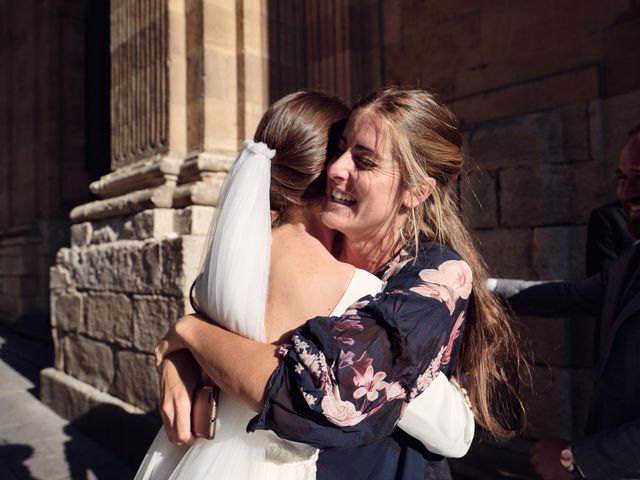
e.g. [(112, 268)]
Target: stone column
[(181, 103)]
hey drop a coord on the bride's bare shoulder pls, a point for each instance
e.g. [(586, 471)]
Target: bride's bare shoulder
[(301, 254)]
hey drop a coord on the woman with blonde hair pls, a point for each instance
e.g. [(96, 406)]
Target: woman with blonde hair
[(342, 383)]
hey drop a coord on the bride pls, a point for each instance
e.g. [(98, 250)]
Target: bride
[(245, 260)]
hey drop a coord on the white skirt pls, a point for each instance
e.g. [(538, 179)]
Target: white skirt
[(234, 453)]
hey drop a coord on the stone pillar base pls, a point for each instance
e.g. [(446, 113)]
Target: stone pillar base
[(123, 428)]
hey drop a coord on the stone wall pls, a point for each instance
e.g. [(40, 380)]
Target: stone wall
[(533, 179), (115, 292), (499, 59), (545, 93)]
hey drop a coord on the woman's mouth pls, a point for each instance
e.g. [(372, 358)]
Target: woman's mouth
[(342, 198)]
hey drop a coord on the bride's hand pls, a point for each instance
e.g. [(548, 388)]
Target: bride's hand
[(170, 343), (179, 375)]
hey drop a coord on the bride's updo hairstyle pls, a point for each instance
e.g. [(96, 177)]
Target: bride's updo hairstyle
[(427, 144), (303, 128)]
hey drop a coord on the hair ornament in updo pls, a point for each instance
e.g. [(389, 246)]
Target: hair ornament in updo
[(259, 148)]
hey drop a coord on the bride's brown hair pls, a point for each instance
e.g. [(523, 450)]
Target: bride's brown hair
[(303, 128), (427, 143)]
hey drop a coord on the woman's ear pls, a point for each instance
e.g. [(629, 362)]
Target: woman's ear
[(415, 196)]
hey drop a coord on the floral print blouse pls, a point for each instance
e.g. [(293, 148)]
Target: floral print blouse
[(343, 381)]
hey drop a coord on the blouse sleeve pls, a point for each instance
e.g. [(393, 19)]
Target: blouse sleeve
[(343, 381)]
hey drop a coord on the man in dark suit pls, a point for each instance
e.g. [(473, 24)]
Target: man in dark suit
[(611, 446), (607, 236)]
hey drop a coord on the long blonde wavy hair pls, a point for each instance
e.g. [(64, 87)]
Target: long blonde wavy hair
[(428, 144)]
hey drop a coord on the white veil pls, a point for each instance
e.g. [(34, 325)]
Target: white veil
[(231, 288)]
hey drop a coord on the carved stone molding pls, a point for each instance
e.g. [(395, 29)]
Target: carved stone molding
[(159, 182), (153, 172)]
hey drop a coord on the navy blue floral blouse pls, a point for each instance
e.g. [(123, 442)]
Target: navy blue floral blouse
[(343, 381)]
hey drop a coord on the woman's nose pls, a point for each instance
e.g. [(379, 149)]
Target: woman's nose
[(340, 167)]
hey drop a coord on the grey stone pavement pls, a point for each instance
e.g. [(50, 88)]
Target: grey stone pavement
[(35, 443)]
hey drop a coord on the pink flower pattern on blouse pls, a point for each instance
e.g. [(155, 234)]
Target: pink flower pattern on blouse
[(451, 281)]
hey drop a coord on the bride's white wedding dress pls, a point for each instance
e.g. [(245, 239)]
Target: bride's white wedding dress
[(234, 453)]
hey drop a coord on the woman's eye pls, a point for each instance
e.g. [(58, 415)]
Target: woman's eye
[(364, 163)]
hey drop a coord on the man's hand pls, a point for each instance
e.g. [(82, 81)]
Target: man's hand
[(545, 457), (179, 375)]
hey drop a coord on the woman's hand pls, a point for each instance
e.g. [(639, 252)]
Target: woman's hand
[(179, 375)]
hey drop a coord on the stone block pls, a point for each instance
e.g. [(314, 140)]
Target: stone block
[(596, 130), (549, 404), (110, 318), (63, 258), (219, 16), (518, 141), (124, 266), (593, 185), (507, 252), (569, 87), (58, 348), (59, 278), (67, 311), (136, 380), (218, 131), (619, 115), (106, 231), (559, 252), (621, 50), (89, 361), (194, 220), (180, 262), (479, 198), (152, 316), (151, 267), (532, 195), (575, 131), (151, 223), (81, 234)]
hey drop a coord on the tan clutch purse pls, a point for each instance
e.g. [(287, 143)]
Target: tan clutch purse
[(204, 411)]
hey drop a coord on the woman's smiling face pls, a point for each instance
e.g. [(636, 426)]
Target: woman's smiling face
[(363, 182)]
